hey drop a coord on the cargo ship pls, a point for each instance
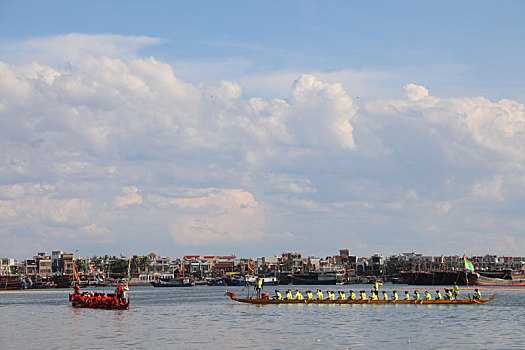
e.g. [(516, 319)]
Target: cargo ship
[(481, 278)]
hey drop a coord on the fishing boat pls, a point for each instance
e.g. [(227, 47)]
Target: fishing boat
[(244, 281), (109, 302), (265, 301), (13, 283), (174, 282)]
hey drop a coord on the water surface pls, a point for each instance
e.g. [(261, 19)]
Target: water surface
[(202, 317)]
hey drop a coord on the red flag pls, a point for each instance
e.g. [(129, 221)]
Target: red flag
[(75, 273), (250, 266), (183, 268), (91, 268), (344, 271)]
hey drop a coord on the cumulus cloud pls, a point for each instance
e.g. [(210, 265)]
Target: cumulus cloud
[(112, 138), (214, 215), (130, 197)]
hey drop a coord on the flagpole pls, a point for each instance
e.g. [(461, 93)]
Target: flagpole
[(129, 271)]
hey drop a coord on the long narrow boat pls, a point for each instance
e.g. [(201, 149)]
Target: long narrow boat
[(315, 301)]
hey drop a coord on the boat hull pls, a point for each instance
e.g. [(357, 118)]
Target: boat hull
[(263, 301), (172, 284), (239, 282), (487, 281), (447, 278)]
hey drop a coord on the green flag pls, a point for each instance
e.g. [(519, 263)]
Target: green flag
[(129, 267), (468, 265)]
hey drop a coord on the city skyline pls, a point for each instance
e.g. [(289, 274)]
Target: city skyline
[(246, 128)]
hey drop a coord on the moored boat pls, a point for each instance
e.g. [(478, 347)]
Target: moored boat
[(243, 281), (368, 301), (13, 283), (461, 278), (175, 282)]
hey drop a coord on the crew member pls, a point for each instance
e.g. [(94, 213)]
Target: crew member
[(363, 295), (319, 295), (258, 287), (385, 296), (289, 295), (298, 295), (395, 296), (119, 292), (309, 295), (76, 288), (407, 296), (352, 295), (438, 295), (342, 295), (478, 294), (449, 294), (416, 295), (331, 296), (278, 295), (374, 295), (427, 295), (456, 290), (376, 286)]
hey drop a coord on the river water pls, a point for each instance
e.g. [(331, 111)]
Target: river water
[(202, 317)]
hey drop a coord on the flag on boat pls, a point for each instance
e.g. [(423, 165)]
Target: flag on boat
[(183, 268), (75, 273), (468, 265), (129, 267), (250, 266), (91, 268)]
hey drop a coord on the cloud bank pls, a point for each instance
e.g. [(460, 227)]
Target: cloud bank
[(101, 146)]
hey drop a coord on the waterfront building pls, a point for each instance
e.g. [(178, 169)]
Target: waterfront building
[(8, 266)]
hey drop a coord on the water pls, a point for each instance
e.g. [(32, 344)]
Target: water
[(202, 317)]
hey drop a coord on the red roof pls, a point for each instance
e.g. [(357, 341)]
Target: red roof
[(223, 265), (189, 257)]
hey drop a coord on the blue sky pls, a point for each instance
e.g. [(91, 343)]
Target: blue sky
[(257, 128)]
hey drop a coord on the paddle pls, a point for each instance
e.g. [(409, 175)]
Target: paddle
[(476, 301)]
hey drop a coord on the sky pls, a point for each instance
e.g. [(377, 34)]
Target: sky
[(257, 128)]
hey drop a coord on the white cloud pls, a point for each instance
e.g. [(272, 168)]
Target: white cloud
[(111, 131), (215, 215), (131, 197), (491, 189)]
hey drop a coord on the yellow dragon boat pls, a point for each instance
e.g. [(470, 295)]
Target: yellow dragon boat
[(264, 301)]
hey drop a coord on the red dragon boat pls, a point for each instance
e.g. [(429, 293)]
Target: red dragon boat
[(108, 302)]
